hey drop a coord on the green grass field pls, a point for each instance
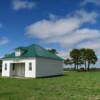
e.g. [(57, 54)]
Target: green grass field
[(71, 86)]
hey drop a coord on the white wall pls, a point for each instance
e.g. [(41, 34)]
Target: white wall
[(48, 67), (6, 72), (40, 67), (28, 73)]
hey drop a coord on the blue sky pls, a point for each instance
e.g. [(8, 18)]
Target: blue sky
[(59, 24)]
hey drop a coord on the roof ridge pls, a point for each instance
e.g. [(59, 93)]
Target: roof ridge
[(43, 49)]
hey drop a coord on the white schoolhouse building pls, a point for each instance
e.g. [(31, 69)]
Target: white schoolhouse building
[(31, 61)]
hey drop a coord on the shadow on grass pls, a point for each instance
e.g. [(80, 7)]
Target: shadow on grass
[(54, 76)]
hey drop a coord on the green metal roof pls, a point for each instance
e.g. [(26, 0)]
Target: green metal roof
[(34, 51)]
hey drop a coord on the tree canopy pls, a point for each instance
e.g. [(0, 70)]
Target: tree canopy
[(84, 56), (54, 51)]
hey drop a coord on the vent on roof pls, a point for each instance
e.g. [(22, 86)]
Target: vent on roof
[(19, 51)]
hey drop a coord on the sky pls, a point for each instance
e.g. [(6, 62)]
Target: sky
[(59, 24)]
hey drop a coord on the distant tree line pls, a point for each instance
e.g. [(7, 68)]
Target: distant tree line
[(54, 51), (80, 57)]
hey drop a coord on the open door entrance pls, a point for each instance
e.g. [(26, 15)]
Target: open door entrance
[(18, 69)]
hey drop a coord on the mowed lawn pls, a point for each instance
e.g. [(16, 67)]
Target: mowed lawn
[(71, 86)]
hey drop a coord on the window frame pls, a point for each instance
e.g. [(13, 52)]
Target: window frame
[(5, 67), (30, 66)]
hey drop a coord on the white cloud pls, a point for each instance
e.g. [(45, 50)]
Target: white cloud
[(93, 44), (96, 2), (23, 4), (86, 17), (66, 31), (45, 29), (76, 37), (3, 40), (49, 28), (63, 54)]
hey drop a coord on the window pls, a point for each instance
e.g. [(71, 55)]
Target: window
[(30, 66), (5, 66)]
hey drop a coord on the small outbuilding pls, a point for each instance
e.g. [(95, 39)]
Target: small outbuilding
[(31, 61)]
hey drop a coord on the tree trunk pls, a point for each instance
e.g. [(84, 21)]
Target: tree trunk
[(75, 66), (88, 66), (85, 65)]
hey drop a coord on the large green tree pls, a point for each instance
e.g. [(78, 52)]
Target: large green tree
[(83, 56), (68, 61), (75, 56), (90, 57)]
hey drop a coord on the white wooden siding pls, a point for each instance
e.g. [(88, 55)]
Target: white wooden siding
[(28, 73), (48, 67)]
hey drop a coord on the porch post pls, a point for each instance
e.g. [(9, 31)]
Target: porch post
[(25, 69), (9, 69)]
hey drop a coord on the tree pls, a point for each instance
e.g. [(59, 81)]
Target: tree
[(91, 57), (68, 62), (0, 61), (75, 55), (83, 57), (88, 57), (54, 51)]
